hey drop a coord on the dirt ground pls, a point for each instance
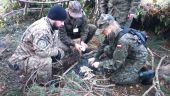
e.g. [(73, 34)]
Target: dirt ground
[(9, 80)]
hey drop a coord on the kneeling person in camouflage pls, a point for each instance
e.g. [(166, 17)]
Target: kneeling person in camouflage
[(126, 56), (38, 44)]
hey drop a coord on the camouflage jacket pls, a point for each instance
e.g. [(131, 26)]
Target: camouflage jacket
[(120, 9), (66, 33), (127, 48), (39, 39)]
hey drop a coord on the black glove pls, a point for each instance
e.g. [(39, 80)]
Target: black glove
[(14, 67), (55, 58)]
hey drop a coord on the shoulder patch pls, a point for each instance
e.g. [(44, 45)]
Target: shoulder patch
[(43, 42)]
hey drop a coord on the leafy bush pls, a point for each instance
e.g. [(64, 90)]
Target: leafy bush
[(8, 3)]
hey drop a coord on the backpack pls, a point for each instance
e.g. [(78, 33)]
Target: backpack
[(141, 35)]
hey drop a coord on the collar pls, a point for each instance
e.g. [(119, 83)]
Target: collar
[(50, 25)]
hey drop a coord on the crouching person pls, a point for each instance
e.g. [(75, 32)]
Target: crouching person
[(38, 44), (76, 26), (126, 54)]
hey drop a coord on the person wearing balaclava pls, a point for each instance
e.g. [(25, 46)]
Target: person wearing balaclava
[(38, 44)]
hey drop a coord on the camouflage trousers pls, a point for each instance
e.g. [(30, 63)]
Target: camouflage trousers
[(129, 74), (40, 67), (119, 9)]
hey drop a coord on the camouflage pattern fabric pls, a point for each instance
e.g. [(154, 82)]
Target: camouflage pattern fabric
[(126, 56), (85, 30), (38, 43), (103, 6), (120, 9), (126, 59)]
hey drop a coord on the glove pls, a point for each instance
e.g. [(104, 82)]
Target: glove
[(91, 60), (14, 67), (59, 56)]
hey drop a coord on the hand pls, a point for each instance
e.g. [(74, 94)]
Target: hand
[(131, 16), (84, 45), (77, 46), (91, 60), (95, 64)]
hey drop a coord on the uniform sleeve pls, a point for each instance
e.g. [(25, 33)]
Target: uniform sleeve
[(119, 56), (64, 38), (43, 47), (101, 49), (84, 29)]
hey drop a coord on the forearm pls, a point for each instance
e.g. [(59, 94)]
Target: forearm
[(50, 52), (64, 38), (111, 64)]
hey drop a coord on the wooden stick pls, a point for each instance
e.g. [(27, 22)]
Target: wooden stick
[(42, 8), (50, 2), (25, 8), (69, 69), (152, 58), (147, 91), (156, 74)]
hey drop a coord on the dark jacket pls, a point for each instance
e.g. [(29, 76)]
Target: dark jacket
[(66, 33)]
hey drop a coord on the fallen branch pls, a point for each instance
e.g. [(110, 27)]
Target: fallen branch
[(69, 69), (47, 2), (165, 49), (156, 84), (152, 58)]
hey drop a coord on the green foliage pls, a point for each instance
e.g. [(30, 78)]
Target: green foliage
[(164, 89), (36, 90), (7, 5), (1, 23), (155, 19), (12, 93), (154, 42), (15, 5)]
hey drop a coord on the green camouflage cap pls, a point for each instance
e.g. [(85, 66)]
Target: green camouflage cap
[(104, 20)]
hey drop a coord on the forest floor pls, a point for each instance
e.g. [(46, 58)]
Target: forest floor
[(9, 80)]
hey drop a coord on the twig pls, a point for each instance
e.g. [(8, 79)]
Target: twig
[(50, 2), (77, 84), (156, 74), (69, 69), (147, 91), (152, 58), (32, 76), (165, 49), (42, 9), (105, 86), (156, 84)]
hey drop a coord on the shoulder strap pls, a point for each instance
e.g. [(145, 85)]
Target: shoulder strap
[(120, 34)]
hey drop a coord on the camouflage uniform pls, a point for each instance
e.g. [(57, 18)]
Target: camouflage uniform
[(38, 43), (85, 30), (125, 59), (120, 9), (103, 6)]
